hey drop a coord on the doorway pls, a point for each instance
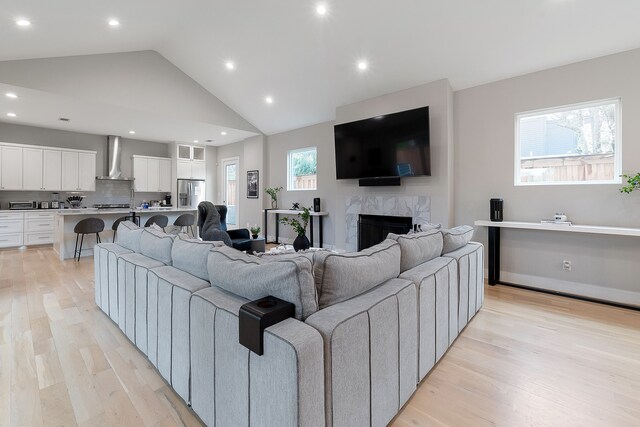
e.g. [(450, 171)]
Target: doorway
[(231, 190)]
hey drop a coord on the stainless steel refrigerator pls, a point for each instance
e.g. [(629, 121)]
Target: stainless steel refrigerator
[(190, 193)]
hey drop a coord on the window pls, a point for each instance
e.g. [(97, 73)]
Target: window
[(575, 144), (301, 169)]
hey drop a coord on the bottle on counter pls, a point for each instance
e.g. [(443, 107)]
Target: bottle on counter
[(145, 205)]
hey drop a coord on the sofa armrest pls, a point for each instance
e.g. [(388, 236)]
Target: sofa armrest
[(240, 233), (371, 355), (230, 385)]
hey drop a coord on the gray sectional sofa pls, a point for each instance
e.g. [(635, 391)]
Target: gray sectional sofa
[(368, 326)]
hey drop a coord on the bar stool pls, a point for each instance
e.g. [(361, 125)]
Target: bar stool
[(87, 226), (186, 220), (159, 220), (115, 225)]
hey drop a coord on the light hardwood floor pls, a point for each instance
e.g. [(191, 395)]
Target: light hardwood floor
[(527, 359)]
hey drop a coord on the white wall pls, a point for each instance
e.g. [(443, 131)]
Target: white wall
[(484, 168), (334, 194), (250, 154)]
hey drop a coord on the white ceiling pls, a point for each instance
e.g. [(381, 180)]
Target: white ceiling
[(308, 63)]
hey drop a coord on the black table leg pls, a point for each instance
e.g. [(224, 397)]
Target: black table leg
[(320, 227), (494, 255), (277, 227), (311, 230), (266, 219)]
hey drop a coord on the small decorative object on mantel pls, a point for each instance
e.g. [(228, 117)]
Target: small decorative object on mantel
[(633, 183), (254, 231), (295, 206), (300, 227), (273, 192)]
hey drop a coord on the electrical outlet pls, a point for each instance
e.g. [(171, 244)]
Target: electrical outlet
[(566, 265)]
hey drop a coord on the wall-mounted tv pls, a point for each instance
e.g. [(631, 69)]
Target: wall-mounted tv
[(390, 145)]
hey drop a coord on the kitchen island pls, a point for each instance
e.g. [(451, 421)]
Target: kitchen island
[(65, 220)]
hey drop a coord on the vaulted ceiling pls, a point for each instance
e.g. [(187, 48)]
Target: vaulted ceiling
[(307, 62)]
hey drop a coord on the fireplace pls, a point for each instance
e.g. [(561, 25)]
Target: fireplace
[(373, 229)]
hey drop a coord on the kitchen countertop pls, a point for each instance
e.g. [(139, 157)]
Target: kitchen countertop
[(94, 211)]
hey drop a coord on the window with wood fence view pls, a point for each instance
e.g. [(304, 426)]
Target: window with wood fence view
[(576, 144), (302, 167)]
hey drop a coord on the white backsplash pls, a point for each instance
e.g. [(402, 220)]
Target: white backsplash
[(416, 207)]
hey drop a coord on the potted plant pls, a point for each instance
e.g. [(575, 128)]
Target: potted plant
[(273, 192), (633, 183), (299, 225), (254, 231)]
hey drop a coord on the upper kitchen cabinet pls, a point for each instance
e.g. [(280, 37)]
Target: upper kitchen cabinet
[(191, 152), (41, 169), (187, 169), (78, 171), (152, 174), (34, 168), (11, 168)]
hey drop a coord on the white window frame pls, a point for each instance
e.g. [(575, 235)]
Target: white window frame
[(617, 155), (290, 168)]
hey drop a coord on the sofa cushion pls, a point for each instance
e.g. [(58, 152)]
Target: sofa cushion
[(128, 235), (340, 277), (455, 238), (417, 248), (191, 255), (250, 277), (157, 245)]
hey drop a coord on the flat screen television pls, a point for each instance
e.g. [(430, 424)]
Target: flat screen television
[(391, 145)]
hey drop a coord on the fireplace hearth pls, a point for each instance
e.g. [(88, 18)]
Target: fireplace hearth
[(373, 229)]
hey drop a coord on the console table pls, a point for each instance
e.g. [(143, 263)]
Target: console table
[(494, 240), (278, 212)]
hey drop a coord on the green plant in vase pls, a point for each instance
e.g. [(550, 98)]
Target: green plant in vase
[(299, 225), (254, 231), (273, 192), (633, 183)]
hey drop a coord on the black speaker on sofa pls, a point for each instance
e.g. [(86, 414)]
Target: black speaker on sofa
[(316, 204), (496, 209)]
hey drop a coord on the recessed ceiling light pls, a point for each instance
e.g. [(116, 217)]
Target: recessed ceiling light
[(11, 114), (114, 23), (223, 133), (195, 141), (230, 65), (362, 65), (321, 9), (11, 95), (132, 132), (23, 23), (268, 100)]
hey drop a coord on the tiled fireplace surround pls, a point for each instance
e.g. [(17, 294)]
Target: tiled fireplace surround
[(416, 207)]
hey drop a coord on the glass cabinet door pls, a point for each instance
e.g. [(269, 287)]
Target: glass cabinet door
[(198, 153), (184, 152)]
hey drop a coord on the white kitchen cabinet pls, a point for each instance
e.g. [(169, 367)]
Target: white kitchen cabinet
[(184, 152), (52, 170), (78, 171), (198, 170), (69, 171), (11, 226), (32, 169), (197, 153), (153, 175), (87, 171), (10, 168), (183, 169), (165, 175), (140, 168)]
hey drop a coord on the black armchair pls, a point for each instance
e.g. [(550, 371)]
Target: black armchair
[(212, 221)]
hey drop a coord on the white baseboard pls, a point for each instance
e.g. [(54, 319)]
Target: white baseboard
[(572, 288)]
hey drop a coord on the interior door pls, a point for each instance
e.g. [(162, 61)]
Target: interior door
[(231, 190)]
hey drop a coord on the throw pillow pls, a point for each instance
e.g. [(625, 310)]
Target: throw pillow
[(191, 255), (250, 277), (418, 248), (128, 236), (340, 277), (157, 245), (455, 238)]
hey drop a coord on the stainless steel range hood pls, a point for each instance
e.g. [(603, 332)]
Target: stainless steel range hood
[(114, 157)]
